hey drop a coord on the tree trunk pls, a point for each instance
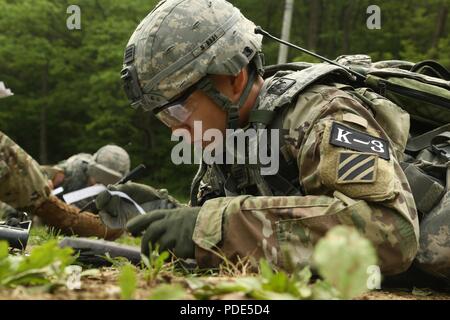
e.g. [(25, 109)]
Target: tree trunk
[(346, 29), (440, 25), (43, 155), (314, 24), (271, 8)]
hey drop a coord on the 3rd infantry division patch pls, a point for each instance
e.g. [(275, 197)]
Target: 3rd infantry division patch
[(356, 167)]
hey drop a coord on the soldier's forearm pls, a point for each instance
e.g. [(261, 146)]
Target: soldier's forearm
[(268, 227)]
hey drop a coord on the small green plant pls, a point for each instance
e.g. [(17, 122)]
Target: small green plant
[(153, 264), (127, 282), (116, 262), (45, 264), (42, 234), (268, 285), (343, 258), (168, 292), (129, 240)]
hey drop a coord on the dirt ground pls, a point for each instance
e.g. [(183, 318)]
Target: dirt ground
[(103, 286)]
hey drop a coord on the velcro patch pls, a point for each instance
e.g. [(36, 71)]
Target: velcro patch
[(350, 138), (281, 86), (356, 167)]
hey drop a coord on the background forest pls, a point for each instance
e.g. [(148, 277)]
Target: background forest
[(68, 94)]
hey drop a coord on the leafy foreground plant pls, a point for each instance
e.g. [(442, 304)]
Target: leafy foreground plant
[(44, 265), (269, 285), (127, 282), (342, 258)]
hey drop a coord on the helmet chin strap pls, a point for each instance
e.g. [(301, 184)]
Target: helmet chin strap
[(207, 86)]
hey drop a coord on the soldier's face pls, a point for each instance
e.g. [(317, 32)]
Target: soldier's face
[(203, 110)]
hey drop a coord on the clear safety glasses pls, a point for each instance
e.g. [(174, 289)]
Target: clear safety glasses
[(176, 113)]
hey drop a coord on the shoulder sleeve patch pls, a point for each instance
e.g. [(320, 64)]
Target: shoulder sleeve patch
[(356, 167), (281, 86), (343, 136), (357, 174)]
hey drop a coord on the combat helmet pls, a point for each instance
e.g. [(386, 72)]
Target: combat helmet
[(113, 157), (109, 164), (178, 44)]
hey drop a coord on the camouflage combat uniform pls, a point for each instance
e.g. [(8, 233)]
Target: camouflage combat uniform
[(434, 246), (24, 186), (176, 47), (75, 171), (107, 166), (340, 185)]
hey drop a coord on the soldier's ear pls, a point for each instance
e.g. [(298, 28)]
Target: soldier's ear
[(238, 83)]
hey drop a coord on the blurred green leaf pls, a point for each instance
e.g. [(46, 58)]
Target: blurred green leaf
[(168, 292), (127, 282), (343, 257)]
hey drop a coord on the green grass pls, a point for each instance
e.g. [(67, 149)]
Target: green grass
[(129, 240), (341, 259), (42, 234)]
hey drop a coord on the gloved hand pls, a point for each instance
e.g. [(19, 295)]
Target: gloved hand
[(115, 211), (12, 216), (172, 229)]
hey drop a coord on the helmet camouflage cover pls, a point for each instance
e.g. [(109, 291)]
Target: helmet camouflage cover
[(114, 158), (179, 43)]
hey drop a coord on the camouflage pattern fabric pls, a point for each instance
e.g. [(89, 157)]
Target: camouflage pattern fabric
[(24, 186), (434, 246), (114, 158), (22, 183), (172, 49), (434, 249), (377, 201), (5, 211), (75, 171)]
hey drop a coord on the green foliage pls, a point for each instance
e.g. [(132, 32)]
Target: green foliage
[(127, 282), (42, 234), (129, 240), (45, 264), (153, 264), (168, 292), (342, 258), (68, 96), (116, 262), (269, 285)]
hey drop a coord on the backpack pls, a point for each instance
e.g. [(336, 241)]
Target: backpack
[(420, 134)]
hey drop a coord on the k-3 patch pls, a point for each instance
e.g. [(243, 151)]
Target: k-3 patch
[(343, 136), (356, 167)]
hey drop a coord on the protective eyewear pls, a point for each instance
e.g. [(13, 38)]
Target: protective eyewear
[(178, 111)]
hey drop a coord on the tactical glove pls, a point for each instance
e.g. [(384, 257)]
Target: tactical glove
[(115, 210), (13, 217), (172, 229)]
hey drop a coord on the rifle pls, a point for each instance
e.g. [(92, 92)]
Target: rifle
[(94, 252), (16, 236)]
